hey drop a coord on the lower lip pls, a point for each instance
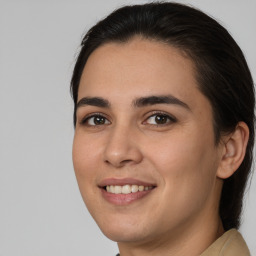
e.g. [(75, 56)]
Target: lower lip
[(124, 199)]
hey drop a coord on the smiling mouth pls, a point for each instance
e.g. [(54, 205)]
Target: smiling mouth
[(127, 189), (122, 195)]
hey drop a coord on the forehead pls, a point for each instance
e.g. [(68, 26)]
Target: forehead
[(136, 68)]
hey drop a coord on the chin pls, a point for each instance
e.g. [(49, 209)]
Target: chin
[(121, 236), (123, 231)]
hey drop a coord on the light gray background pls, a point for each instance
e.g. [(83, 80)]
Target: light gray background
[(41, 211)]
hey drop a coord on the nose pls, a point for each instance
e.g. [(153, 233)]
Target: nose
[(122, 148)]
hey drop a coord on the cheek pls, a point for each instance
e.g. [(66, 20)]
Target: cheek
[(85, 153), (187, 165), (84, 161), (178, 151)]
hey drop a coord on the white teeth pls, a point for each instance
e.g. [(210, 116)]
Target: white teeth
[(135, 188), (112, 189), (118, 189), (126, 189), (141, 188)]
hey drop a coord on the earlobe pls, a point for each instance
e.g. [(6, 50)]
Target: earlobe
[(234, 150)]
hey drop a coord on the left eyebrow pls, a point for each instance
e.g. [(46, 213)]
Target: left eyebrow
[(153, 100), (93, 101)]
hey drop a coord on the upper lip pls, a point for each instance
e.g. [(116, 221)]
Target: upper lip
[(124, 181)]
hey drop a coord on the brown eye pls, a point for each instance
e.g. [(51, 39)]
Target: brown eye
[(96, 120), (99, 120), (160, 119)]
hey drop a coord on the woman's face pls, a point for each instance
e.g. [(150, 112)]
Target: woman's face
[(144, 151)]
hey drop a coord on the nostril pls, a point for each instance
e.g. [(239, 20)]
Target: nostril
[(126, 161), (118, 163)]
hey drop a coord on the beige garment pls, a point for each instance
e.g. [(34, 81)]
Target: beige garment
[(231, 243)]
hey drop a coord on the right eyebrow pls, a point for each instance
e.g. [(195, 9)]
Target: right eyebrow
[(93, 101), (159, 99)]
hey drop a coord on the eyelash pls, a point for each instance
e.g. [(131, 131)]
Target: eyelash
[(170, 119), (85, 120)]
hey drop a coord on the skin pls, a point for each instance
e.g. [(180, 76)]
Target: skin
[(180, 156)]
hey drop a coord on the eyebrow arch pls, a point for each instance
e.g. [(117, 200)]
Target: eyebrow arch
[(139, 102), (93, 101), (153, 100)]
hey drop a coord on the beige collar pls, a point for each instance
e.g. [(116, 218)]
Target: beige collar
[(231, 243)]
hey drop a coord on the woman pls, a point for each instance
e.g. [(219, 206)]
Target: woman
[(164, 131)]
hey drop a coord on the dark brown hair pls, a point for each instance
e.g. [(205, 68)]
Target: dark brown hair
[(221, 71)]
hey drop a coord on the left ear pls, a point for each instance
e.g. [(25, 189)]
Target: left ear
[(234, 150)]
